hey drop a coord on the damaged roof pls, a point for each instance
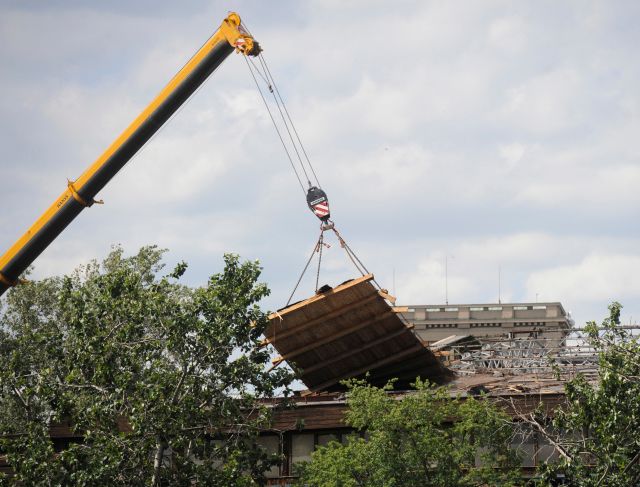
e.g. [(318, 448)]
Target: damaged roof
[(349, 331)]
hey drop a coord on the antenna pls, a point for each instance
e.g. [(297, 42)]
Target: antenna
[(446, 277), (499, 285), (446, 280), (394, 281)]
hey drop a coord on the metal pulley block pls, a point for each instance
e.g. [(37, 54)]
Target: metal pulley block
[(318, 203)]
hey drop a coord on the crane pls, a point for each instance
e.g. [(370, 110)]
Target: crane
[(80, 194)]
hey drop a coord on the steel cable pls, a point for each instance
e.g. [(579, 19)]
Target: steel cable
[(284, 121), (315, 249), (354, 258), (275, 125), (271, 83), (320, 245), (295, 131)]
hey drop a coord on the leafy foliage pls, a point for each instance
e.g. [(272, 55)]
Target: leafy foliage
[(424, 438), (146, 371), (597, 433)]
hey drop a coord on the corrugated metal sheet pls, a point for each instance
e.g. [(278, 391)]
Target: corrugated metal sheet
[(349, 331)]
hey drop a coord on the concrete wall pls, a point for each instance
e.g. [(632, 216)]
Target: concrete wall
[(435, 322)]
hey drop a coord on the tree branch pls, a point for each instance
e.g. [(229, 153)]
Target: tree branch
[(24, 403), (157, 461), (531, 420)]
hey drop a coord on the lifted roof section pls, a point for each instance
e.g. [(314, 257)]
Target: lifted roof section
[(349, 331)]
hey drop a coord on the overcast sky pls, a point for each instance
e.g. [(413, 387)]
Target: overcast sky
[(490, 134)]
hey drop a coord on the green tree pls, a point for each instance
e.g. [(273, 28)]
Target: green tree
[(148, 372), (424, 438), (597, 433)]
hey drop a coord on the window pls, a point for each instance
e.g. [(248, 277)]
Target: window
[(271, 444), (476, 308), (521, 308), (451, 309), (485, 325), (542, 306), (325, 439), (495, 308), (433, 310), (301, 447), (524, 443), (60, 444)]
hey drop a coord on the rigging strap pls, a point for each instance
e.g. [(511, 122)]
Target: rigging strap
[(317, 248), (320, 245), (352, 256)]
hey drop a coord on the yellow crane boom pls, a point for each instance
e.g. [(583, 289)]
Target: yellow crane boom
[(80, 193)]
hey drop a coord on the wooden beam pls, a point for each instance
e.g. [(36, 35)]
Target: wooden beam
[(362, 370), (335, 336), (273, 367), (350, 353), (416, 364), (411, 355), (329, 316), (401, 309), (385, 294), (319, 297)]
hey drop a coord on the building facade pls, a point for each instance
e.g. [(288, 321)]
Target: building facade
[(320, 418), (436, 322)]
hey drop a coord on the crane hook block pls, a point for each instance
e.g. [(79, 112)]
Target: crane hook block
[(318, 203)]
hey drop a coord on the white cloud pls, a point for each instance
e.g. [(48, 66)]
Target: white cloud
[(584, 274), (512, 153), (607, 186), (548, 103), (427, 283), (597, 277), (508, 33)]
